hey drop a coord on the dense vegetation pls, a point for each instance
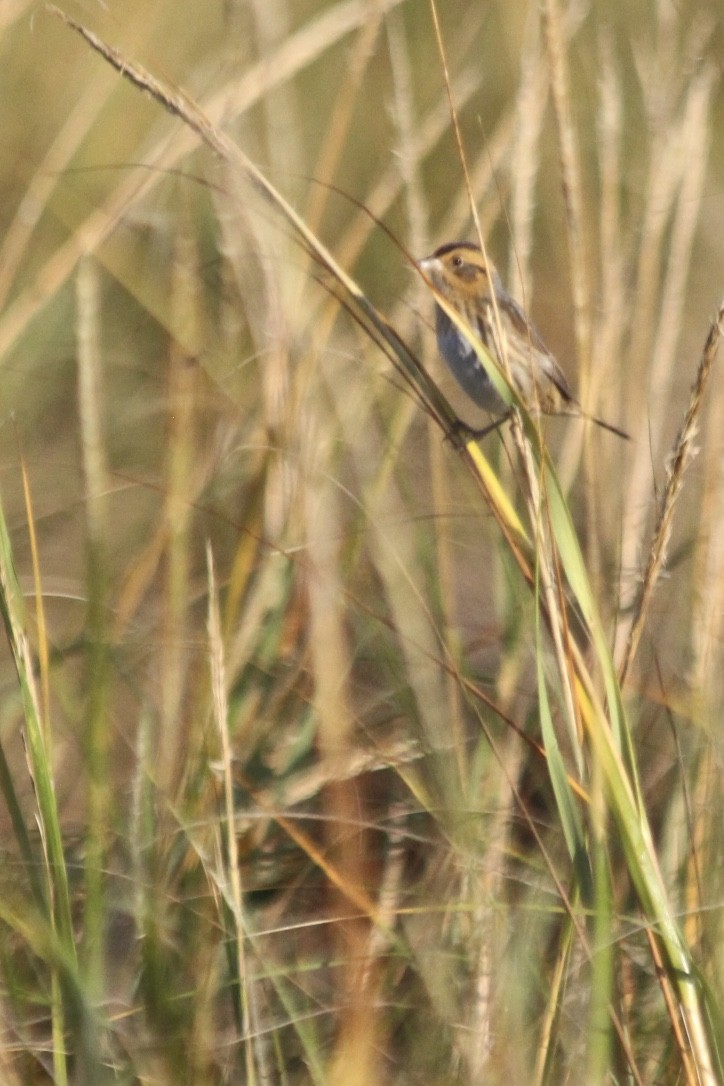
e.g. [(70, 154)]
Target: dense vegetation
[(331, 750)]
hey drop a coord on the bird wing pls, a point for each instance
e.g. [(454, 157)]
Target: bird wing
[(528, 334)]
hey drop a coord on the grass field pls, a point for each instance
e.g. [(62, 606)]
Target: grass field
[(331, 750)]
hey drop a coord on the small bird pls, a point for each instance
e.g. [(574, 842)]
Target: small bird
[(459, 273)]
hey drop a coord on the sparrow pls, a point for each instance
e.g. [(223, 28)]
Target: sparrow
[(459, 273)]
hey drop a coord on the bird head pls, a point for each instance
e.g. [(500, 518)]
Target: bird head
[(458, 270)]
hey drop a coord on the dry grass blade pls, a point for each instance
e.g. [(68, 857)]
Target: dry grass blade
[(456, 126), (572, 184), (681, 456), (676, 186), (180, 105)]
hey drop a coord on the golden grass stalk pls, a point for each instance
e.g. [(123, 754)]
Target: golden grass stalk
[(682, 454)]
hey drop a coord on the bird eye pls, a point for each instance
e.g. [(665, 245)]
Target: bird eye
[(457, 262)]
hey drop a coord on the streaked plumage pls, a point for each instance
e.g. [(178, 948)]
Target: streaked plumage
[(459, 273)]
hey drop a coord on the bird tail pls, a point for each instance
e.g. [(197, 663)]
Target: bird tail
[(578, 414), (609, 426)]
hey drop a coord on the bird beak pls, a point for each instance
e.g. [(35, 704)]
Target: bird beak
[(430, 267)]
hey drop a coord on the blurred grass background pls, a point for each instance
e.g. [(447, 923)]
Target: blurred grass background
[(357, 676)]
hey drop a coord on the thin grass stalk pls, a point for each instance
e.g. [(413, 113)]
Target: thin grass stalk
[(696, 895), (549, 584), (572, 183), (269, 319), (578, 240), (679, 1027), (695, 129), (482, 988), (705, 922), (220, 705), (56, 895), (57, 1012), (681, 456), (607, 346), (267, 588), (472, 204), (91, 403), (571, 822), (338, 127), (269, 316), (429, 130), (28, 855), (407, 124), (602, 997), (354, 1058), (268, 25), (670, 162), (705, 679), (556, 986), (141, 830), (487, 181), (178, 513), (417, 217), (659, 201), (522, 168), (42, 626), (525, 161)]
